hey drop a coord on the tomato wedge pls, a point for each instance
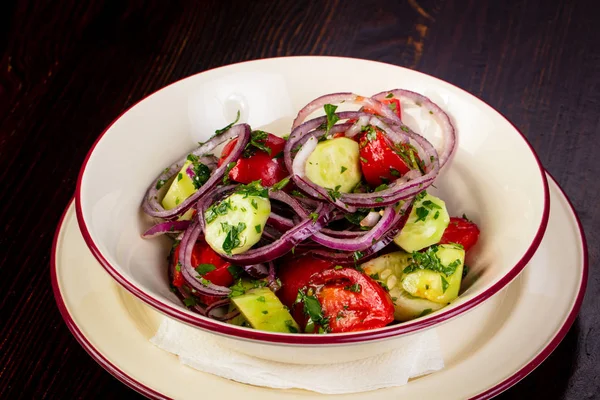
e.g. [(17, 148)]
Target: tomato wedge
[(214, 268), (352, 301), (294, 275), (461, 231), (258, 164), (379, 162)]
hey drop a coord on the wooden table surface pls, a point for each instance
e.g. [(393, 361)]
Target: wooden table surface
[(68, 68)]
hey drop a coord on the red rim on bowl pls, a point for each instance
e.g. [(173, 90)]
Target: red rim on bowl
[(313, 339), (151, 393)]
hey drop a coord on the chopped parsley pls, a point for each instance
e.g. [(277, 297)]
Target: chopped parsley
[(392, 106), (364, 160), (257, 142), (261, 299), (445, 284), (381, 187), (290, 325), (379, 199), (422, 213), (179, 176), (389, 96), (232, 238), (356, 288), (237, 289), (425, 312), (437, 214), (235, 271), (201, 171), (220, 208), (371, 133), (281, 184), (225, 129), (257, 228), (203, 269), (428, 259), (254, 188), (229, 168), (190, 301), (160, 183), (332, 118), (335, 193), (394, 172), (313, 216), (298, 194), (312, 308), (404, 128), (358, 216), (374, 276), (358, 255), (338, 267), (343, 169)]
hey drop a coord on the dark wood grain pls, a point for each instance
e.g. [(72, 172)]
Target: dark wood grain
[(67, 68)]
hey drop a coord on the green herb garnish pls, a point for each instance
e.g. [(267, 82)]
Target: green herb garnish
[(203, 269)]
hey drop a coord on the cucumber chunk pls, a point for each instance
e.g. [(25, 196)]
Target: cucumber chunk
[(407, 307), (263, 310), (388, 270), (335, 164), (181, 188), (236, 223), (417, 293), (425, 225), (436, 286)]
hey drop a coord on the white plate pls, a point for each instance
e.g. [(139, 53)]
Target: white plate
[(534, 313)]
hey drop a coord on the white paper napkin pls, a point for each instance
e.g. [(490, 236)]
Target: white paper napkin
[(202, 351)]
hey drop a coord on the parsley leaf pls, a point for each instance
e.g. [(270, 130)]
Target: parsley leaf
[(314, 217), (223, 130), (356, 288), (232, 238), (428, 259), (335, 193), (257, 228), (257, 141), (254, 188), (313, 309), (220, 208), (190, 301), (343, 169), (237, 289), (229, 168), (281, 184), (203, 269), (332, 118), (445, 284), (235, 271), (389, 96)]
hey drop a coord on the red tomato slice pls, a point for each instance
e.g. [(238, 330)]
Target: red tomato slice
[(378, 160), (461, 231), (260, 165), (351, 300), (204, 254), (294, 275)]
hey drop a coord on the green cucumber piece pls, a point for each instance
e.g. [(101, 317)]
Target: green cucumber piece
[(407, 307), (335, 164), (425, 225), (433, 285), (181, 188), (263, 310), (239, 223)]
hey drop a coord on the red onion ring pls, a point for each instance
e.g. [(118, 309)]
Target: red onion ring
[(448, 131), (151, 204), (166, 227)]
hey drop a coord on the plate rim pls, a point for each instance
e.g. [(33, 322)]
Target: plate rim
[(313, 340), (493, 391)]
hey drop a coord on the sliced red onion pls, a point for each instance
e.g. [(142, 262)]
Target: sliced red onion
[(166, 227), (303, 230), (256, 270), (210, 310), (181, 293), (274, 283), (350, 258), (337, 98), (280, 223), (362, 242), (371, 219), (152, 206), (448, 131), (357, 127), (299, 164)]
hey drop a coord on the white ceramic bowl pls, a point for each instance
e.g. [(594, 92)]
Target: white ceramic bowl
[(494, 177)]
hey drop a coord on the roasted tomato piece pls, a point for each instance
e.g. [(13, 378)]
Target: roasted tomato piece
[(351, 301)]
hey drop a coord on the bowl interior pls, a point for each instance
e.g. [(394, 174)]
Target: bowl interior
[(494, 177)]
